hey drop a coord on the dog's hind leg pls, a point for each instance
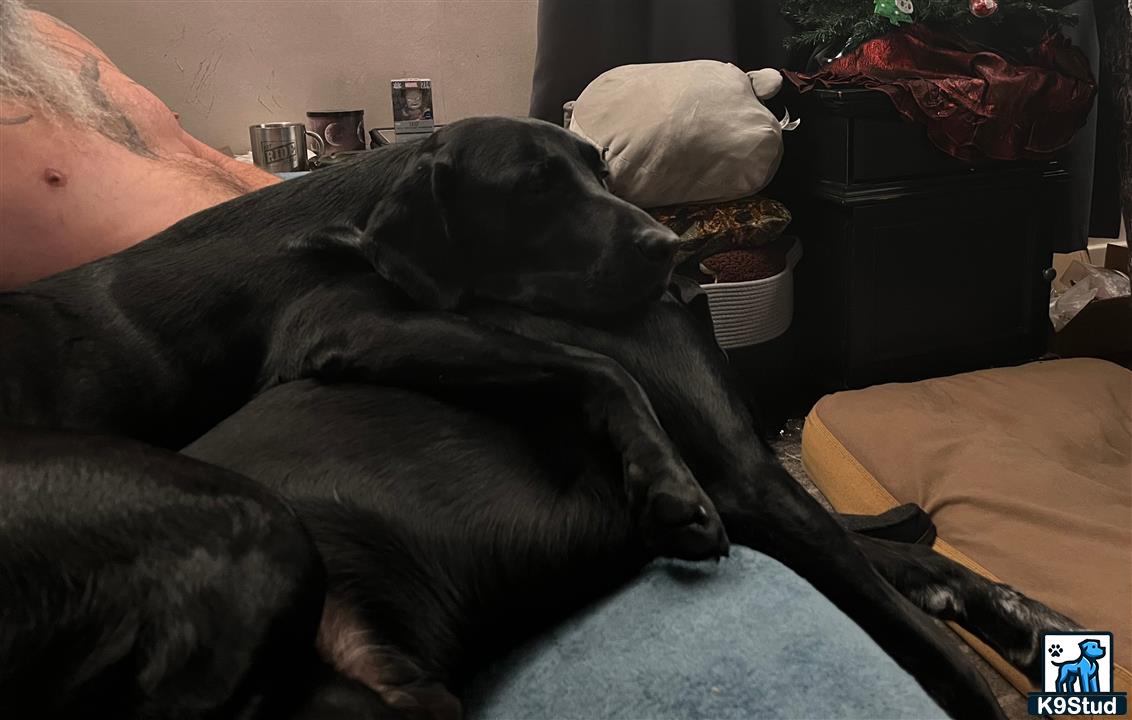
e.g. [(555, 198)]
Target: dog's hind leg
[(997, 614), (138, 583), (346, 643), (448, 532)]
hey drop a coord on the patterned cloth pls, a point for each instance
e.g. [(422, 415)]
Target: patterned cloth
[(713, 228)]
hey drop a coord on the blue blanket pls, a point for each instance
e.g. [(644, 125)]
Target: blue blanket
[(743, 639)]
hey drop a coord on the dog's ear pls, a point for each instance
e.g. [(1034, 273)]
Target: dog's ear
[(411, 243)]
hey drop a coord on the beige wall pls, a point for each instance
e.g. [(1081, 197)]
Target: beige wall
[(226, 65)]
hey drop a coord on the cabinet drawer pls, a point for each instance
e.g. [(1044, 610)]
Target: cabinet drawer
[(942, 275), (882, 149), (864, 140)]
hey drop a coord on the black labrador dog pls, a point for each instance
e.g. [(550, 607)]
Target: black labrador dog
[(448, 514)]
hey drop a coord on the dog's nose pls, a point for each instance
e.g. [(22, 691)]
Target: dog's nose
[(657, 245)]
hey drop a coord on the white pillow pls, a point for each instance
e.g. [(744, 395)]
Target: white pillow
[(683, 132)]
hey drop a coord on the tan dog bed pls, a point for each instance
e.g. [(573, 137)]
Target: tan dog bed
[(1026, 471)]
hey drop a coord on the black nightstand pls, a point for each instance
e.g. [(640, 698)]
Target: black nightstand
[(916, 264)]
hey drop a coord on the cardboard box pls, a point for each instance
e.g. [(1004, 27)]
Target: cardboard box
[(1117, 257), (1103, 328)]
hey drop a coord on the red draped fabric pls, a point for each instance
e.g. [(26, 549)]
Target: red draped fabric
[(974, 103)]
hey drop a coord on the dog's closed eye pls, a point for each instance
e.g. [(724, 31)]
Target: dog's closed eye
[(542, 176)]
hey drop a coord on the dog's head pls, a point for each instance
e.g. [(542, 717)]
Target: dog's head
[(1091, 649), (517, 211)]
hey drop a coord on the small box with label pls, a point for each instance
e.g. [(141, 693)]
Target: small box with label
[(412, 107)]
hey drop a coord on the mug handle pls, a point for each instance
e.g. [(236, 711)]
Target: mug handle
[(320, 147)]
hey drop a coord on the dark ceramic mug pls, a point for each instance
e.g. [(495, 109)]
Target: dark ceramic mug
[(340, 130)]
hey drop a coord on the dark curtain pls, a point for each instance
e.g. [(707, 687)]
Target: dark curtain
[(580, 39), (1079, 159), (1112, 189)]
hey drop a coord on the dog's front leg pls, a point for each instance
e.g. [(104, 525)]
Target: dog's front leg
[(1002, 617), (997, 614), (435, 352), (686, 377), (771, 512)]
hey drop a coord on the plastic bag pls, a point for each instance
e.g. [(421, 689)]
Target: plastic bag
[(1088, 283)]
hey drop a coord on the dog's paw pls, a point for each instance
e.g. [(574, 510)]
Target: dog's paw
[(677, 529), (677, 518), (1055, 650)]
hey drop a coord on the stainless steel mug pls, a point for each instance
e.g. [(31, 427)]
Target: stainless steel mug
[(282, 146)]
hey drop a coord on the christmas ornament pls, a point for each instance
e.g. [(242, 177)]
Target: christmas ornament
[(983, 8), (895, 12)]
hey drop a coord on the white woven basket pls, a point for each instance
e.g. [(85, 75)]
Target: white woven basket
[(754, 311)]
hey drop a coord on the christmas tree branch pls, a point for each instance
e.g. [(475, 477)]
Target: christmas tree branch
[(821, 22)]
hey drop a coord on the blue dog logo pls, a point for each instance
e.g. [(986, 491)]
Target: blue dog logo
[(1081, 686), (1081, 672)]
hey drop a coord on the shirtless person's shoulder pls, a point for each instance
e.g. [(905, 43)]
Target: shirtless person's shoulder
[(91, 162)]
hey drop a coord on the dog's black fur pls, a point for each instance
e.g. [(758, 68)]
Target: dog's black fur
[(445, 528)]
